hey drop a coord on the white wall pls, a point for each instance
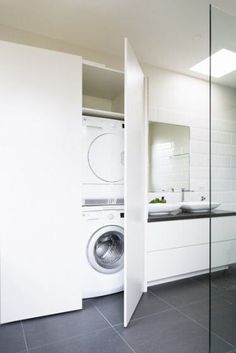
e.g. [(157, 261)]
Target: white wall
[(179, 99), (23, 37), (97, 103)]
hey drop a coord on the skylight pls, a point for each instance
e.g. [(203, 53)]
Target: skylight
[(222, 63)]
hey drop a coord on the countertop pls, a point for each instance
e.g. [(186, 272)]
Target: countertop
[(185, 215)]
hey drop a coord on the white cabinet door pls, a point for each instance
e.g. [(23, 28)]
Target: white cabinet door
[(135, 197), (169, 263), (40, 193)]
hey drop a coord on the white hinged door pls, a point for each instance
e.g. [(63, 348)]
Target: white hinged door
[(135, 198)]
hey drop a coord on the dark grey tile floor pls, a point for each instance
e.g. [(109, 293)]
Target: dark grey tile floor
[(171, 318)]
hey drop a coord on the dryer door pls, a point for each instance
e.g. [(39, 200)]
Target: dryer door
[(105, 250), (106, 157)]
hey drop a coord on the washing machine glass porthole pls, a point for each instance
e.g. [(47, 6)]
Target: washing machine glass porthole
[(106, 249)]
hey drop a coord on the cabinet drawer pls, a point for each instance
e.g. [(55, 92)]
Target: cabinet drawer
[(223, 228), (223, 253), (180, 261), (175, 234), (174, 262)]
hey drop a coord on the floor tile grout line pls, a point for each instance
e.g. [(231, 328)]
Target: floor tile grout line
[(196, 322), (151, 315), (123, 339), (212, 332), (142, 317), (103, 316), (65, 339), (179, 309), (115, 330), (194, 302), (166, 301), (24, 335), (145, 316)]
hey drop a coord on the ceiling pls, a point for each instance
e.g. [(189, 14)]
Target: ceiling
[(171, 34)]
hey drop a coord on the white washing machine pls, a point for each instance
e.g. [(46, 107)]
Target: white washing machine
[(103, 251), (103, 161)]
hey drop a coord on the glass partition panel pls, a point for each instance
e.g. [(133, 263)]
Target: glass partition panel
[(223, 181)]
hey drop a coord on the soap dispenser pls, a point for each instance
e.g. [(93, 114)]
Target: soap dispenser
[(163, 200)]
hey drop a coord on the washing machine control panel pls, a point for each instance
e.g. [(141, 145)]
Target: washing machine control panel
[(106, 215), (92, 216)]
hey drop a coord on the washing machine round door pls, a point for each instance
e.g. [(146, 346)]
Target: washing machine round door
[(106, 157), (105, 249)]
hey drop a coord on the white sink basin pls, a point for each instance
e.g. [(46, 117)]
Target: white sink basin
[(199, 206), (163, 208)]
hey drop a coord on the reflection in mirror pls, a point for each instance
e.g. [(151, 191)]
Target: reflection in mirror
[(169, 157)]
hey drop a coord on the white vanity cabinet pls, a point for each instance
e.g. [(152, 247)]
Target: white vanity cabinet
[(180, 248)]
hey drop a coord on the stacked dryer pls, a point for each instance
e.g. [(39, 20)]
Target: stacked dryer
[(103, 199)]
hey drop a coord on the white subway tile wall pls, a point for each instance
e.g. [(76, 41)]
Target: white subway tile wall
[(182, 100)]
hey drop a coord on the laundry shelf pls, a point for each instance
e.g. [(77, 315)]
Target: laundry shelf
[(102, 82), (102, 113)]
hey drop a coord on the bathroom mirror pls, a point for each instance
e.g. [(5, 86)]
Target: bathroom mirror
[(169, 157)]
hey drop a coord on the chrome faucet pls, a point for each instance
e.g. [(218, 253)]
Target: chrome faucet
[(183, 191)]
